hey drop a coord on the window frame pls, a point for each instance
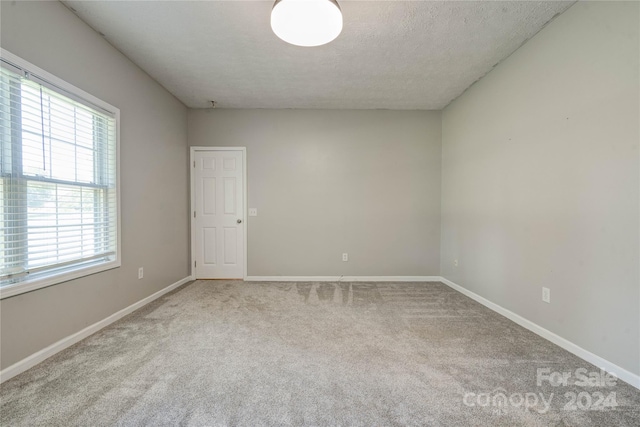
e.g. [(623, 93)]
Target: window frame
[(74, 272)]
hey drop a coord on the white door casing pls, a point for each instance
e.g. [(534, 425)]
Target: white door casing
[(218, 199)]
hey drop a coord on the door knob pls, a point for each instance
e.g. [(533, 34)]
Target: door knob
[(239, 221)]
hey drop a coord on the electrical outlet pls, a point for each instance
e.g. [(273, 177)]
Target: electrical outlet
[(546, 295), (140, 273), (345, 257), (253, 212), (455, 262)]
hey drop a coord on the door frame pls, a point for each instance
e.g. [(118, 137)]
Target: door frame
[(192, 151)]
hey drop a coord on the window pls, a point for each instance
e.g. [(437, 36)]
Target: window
[(58, 187)]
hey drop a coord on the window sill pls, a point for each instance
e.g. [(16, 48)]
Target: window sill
[(32, 284)]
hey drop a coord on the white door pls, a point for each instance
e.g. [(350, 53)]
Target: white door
[(218, 217)]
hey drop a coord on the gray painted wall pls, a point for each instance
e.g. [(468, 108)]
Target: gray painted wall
[(540, 181), (327, 182), (154, 173)]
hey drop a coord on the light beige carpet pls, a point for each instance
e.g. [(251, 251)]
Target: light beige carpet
[(313, 354)]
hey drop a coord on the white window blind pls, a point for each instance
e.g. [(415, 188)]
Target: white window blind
[(58, 189)]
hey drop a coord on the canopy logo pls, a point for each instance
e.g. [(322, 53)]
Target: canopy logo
[(574, 399), (499, 400)]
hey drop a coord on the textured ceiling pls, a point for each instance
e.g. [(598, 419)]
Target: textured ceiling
[(390, 55)]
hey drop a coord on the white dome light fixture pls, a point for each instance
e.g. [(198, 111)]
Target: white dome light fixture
[(306, 22)]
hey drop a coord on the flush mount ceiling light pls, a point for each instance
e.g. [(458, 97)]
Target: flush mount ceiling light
[(306, 22)]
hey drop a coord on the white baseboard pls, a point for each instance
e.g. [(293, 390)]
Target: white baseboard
[(342, 278), (45, 353), (621, 373)]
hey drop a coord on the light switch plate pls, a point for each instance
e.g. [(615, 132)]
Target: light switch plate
[(546, 295), (253, 212)]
